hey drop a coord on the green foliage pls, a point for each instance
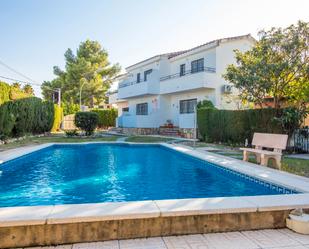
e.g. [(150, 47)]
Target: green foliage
[(58, 116), (107, 117), (292, 118), (277, 66), (205, 104), (71, 133), (234, 127), (28, 89), (86, 121), (5, 90), (12, 92), (70, 108), (23, 116), (89, 69)]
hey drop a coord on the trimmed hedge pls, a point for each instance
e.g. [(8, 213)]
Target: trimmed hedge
[(23, 116), (107, 117), (86, 121), (234, 127)]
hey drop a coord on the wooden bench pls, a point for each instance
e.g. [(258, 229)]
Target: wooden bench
[(277, 142)]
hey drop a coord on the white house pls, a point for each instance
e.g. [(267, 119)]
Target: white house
[(165, 88)]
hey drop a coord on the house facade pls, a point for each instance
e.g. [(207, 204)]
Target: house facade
[(164, 89)]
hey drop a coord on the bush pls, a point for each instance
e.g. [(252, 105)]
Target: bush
[(107, 118), (86, 121), (234, 127), (58, 116), (71, 133), (22, 116), (205, 104)]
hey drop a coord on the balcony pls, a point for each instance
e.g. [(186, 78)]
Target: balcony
[(205, 77), (129, 89)]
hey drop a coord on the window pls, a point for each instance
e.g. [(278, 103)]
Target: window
[(197, 65), (138, 78), (146, 73), (182, 69), (187, 106), (142, 109), (125, 109)]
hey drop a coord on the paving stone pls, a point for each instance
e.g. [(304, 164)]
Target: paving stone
[(97, 245), (149, 243), (176, 242), (229, 241), (301, 238), (51, 247), (270, 238)]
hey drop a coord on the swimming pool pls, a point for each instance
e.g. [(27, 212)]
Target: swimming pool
[(92, 173)]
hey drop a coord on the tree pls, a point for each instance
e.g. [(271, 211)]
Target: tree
[(28, 89), (277, 66), (88, 72), (16, 85)]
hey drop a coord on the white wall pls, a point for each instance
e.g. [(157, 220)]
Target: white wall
[(186, 120), (208, 55)]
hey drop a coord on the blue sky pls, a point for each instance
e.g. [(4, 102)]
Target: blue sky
[(36, 33)]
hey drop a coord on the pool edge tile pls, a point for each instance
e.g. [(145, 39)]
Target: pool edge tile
[(26, 215), (103, 211), (200, 206), (279, 202)]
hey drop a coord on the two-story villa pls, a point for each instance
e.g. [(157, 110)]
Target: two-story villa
[(165, 89)]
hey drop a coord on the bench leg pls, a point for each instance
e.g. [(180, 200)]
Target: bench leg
[(278, 162), (258, 158), (264, 160), (245, 156)]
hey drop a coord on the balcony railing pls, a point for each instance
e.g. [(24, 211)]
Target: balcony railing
[(181, 74), (125, 84)]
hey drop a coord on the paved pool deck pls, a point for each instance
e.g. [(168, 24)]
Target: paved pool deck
[(260, 239)]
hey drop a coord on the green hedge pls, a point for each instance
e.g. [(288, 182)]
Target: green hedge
[(107, 117), (25, 116), (234, 127)]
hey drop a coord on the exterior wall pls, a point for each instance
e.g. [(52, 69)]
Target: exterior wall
[(187, 120), (226, 56), (163, 96)]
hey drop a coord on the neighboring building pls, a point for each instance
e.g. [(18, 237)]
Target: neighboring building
[(164, 89)]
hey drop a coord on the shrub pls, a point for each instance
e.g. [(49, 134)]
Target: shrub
[(234, 127), (58, 116), (205, 104), (71, 133), (86, 121), (107, 117), (28, 115)]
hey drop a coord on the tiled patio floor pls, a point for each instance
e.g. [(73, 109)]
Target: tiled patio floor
[(265, 239)]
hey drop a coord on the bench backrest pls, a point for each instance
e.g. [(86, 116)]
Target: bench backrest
[(268, 140)]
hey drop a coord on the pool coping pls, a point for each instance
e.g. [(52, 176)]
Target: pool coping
[(75, 213)]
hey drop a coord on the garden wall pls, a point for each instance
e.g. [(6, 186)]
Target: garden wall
[(234, 127)]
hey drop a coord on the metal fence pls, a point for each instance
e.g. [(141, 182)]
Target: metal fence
[(301, 140)]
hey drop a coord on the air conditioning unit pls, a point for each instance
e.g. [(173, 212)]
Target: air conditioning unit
[(227, 89)]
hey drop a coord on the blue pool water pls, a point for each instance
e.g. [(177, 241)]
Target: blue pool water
[(67, 174)]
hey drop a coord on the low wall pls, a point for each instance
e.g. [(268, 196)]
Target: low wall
[(183, 132), (75, 232)]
